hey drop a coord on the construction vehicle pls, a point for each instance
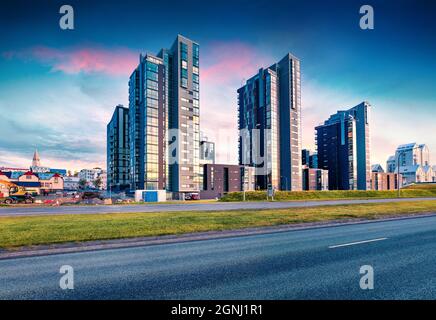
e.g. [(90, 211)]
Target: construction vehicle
[(11, 193)]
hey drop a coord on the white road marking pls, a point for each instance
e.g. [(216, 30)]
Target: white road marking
[(353, 243)]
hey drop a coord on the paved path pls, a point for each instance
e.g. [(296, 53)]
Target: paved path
[(320, 263), (191, 206)]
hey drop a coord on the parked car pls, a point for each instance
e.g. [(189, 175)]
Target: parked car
[(192, 196), (92, 195)]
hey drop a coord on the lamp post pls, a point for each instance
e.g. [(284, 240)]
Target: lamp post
[(398, 173)]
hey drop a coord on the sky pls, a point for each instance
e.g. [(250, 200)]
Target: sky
[(58, 88)]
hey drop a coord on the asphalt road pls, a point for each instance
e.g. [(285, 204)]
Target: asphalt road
[(190, 206), (320, 263)]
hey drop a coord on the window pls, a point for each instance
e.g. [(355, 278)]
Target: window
[(195, 50), (195, 78), (152, 75), (152, 67), (152, 85), (184, 82), (152, 103), (152, 94)]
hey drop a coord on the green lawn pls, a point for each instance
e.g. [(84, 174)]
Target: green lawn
[(34, 230), (413, 191)]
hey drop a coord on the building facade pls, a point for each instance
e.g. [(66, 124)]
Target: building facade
[(71, 183), (269, 118), (118, 150), (315, 179), (207, 150), (305, 157), (90, 176), (343, 147), (384, 181), (34, 183), (164, 119), (412, 161), (148, 124), (309, 159), (219, 179)]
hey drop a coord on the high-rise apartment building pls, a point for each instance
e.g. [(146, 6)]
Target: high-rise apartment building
[(309, 159), (164, 119), (118, 150), (148, 124), (343, 144), (269, 118), (305, 157), (183, 78)]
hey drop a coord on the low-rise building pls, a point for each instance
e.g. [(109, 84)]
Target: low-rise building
[(91, 175), (71, 183), (383, 181), (315, 179), (36, 183), (219, 179), (413, 161)]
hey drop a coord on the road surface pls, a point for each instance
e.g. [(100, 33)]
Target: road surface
[(319, 263), (191, 206)]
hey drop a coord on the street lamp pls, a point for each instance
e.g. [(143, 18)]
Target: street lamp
[(398, 172)]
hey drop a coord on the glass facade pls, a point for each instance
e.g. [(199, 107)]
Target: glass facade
[(147, 127), (269, 104), (164, 95), (344, 148), (118, 150)]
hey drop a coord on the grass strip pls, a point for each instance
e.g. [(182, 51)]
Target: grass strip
[(36, 230), (329, 195)]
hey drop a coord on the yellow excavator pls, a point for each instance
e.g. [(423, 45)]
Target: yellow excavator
[(11, 193)]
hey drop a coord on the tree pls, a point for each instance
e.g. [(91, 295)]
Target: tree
[(97, 182), (82, 183)]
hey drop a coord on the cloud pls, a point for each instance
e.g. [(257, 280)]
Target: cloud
[(109, 61), (65, 122), (227, 63)]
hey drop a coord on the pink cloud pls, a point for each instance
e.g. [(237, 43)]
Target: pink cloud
[(231, 62), (116, 62)]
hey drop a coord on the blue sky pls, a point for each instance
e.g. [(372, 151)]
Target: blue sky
[(58, 88)]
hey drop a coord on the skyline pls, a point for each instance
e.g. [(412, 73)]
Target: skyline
[(86, 71)]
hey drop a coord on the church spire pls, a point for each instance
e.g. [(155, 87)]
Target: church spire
[(36, 162)]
